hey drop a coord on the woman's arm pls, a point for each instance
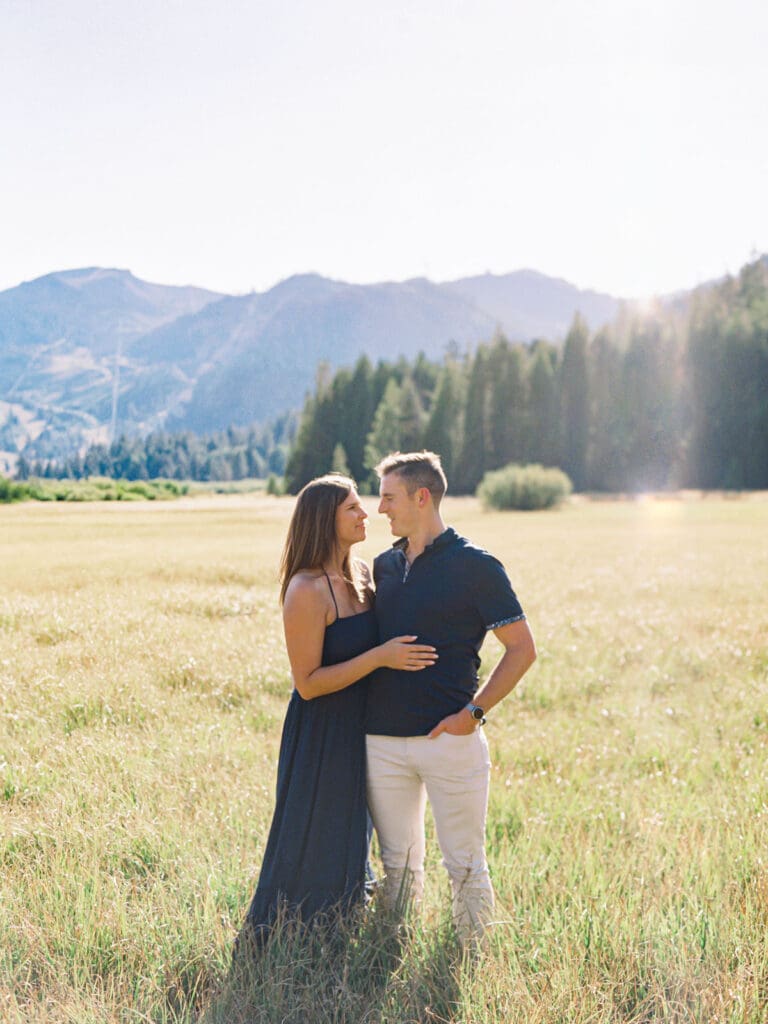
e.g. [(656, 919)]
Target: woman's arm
[(305, 613)]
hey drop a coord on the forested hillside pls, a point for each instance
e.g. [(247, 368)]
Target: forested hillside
[(677, 396), (233, 454)]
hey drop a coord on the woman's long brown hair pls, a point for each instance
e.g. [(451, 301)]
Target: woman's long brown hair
[(311, 540)]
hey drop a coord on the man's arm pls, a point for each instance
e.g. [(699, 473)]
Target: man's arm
[(519, 654)]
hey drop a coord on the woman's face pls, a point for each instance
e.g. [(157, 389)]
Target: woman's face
[(350, 520)]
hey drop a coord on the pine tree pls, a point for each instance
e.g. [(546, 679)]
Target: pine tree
[(507, 404), (727, 361), (651, 404), (339, 462), (574, 404), (473, 459), (411, 415), (607, 459), (384, 436), (239, 464), (312, 452), (543, 434), (300, 467), (443, 430), (425, 376), (357, 416)]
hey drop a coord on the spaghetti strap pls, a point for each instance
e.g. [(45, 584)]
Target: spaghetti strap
[(333, 596)]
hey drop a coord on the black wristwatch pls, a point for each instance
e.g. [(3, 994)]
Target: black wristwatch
[(477, 713)]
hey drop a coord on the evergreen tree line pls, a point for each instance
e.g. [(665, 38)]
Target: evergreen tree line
[(677, 396), (233, 454)]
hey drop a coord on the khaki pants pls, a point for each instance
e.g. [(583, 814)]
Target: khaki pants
[(454, 772)]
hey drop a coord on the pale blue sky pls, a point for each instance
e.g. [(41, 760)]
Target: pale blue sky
[(622, 145)]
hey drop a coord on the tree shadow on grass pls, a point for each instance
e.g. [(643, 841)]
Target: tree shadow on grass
[(372, 972)]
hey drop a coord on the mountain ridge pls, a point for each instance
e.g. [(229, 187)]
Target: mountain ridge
[(91, 350)]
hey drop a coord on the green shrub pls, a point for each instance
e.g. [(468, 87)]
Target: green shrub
[(7, 490), (139, 489), (37, 491), (275, 485), (524, 487), (94, 489), (172, 488)]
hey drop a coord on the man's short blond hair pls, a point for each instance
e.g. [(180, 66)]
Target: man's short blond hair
[(416, 469)]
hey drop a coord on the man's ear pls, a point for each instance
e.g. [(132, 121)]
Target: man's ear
[(423, 496)]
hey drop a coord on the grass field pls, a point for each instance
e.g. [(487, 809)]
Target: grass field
[(142, 686)]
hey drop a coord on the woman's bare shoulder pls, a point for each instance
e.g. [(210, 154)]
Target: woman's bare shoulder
[(306, 587)]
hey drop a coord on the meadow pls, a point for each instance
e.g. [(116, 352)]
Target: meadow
[(142, 687)]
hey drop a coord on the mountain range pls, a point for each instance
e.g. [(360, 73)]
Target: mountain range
[(92, 353)]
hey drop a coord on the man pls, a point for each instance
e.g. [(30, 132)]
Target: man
[(423, 729)]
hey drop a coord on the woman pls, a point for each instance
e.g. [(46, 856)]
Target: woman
[(315, 859)]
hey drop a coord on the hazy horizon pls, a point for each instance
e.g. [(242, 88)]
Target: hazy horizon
[(339, 280)]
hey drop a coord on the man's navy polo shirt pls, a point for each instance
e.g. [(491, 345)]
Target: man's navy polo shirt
[(451, 596)]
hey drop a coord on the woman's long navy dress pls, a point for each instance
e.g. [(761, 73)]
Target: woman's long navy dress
[(316, 853)]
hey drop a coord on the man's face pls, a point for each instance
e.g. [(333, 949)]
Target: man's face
[(400, 507)]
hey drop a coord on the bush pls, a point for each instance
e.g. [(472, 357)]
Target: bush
[(524, 487), (94, 489), (9, 491)]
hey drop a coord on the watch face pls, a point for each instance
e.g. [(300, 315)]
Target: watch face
[(477, 713)]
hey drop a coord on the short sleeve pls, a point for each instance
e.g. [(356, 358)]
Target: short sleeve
[(495, 600)]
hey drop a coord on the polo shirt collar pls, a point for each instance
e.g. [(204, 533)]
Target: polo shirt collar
[(448, 536)]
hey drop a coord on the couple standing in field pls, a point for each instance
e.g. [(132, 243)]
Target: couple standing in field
[(386, 711)]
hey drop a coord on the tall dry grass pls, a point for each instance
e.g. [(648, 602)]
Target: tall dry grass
[(142, 687)]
